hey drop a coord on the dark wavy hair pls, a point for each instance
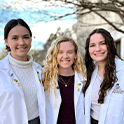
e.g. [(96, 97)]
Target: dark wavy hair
[(110, 68), (12, 23)]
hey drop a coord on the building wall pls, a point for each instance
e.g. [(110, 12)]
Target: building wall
[(87, 23), (119, 41), (122, 47)]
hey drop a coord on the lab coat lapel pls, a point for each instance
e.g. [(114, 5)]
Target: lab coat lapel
[(78, 85), (6, 66), (88, 96), (92, 82), (104, 107), (56, 102), (58, 99), (37, 69), (15, 81), (37, 73)]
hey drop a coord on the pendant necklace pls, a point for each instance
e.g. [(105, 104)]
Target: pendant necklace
[(64, 82)]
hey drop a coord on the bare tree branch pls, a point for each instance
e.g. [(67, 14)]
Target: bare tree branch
[(79, 8), (115, 27)]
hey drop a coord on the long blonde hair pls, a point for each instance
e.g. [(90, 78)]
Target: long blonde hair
[(51, 67)]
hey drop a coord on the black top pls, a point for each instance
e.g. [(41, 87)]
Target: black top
[(66, 112)]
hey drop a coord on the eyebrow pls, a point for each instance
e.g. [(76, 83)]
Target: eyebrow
[(67, 50), (26, 35), (99, 42), (22, 35), (102, 41)]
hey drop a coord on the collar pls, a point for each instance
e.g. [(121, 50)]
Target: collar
[(119, 64), (4, 64)]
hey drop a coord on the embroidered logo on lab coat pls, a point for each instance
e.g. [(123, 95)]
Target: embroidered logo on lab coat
[(118, 89)]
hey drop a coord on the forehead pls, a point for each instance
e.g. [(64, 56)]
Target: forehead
[(97, 37), (18, 30), (66, 45)]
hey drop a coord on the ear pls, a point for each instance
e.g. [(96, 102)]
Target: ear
[(75, 57), (6, 41)]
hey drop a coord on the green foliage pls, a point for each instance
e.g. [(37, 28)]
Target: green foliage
[(1, 57), (33, 51), (52, 37), (3, 53)]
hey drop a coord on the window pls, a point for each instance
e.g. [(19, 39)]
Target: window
[(118, 47)]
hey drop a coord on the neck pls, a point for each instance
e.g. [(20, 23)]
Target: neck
[(101, 69), (20, 58), (66, 72)]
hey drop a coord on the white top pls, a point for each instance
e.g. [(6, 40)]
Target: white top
[(95, 106), (24, 72)]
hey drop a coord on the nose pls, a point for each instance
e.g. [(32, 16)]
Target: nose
[(21, 41), (65, 55), (98, 48)]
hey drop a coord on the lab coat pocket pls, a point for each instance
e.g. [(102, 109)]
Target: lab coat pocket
[(110, 119), (116, 105)]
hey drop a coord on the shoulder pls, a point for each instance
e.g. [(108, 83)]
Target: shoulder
[(78, 75), (118, 60), (119, 64), (37, 65), (4, 77), (4, 63)]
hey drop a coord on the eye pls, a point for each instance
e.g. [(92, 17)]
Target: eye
[(103, 43), (69, 52), (92, 45), (14, 38), (60, 52), (26, 37)]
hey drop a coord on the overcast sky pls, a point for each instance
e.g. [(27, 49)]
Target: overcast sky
[(41, 30)]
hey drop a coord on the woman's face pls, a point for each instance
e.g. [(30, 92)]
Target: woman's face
[(97, 48), (66, 55), (19, 41)]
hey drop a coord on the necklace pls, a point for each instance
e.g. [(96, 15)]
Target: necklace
[(64, 82)]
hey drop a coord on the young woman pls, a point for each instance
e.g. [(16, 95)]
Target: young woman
[(22, 99), (104, 89), (63, 79)]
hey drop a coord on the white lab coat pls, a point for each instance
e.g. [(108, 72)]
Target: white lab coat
[(53, 104), (12, 104), (112, 111)]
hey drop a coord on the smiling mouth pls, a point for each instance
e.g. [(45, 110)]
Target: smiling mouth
[(99, 54), (65, 60), (22, 48)]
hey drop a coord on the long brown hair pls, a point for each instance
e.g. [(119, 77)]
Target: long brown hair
[(110, 68)]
